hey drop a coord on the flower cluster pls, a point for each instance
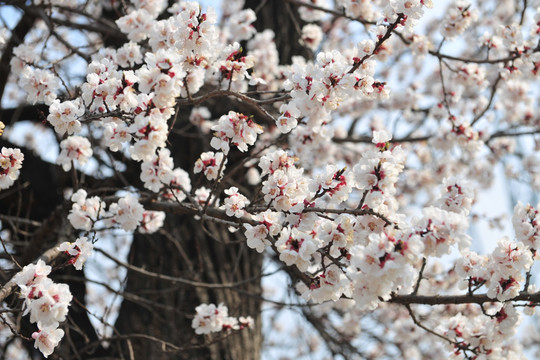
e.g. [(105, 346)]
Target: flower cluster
[(526, 220), (39, 84), (137, 24), (329, 203), (85, 211), (330, 284), (266, 58), (501, 271), (383, 265), (127, 213), (269, 224), (211, 318), (65, 116), (441, 229), (458, 18), (151, 222), (115, 134), (179, 186), (150, 133), (296, 247), (286, 188), (10, 164), (235, 65), (312, 36), (410, 10), (309, 14), (46, 301), (333, 182), (210, 163), (236, 129), (234, 203), (158, 170), (459, 134), (376, 174), (240, 25), (318, 88), (74, 148), (485, 337), (457, 196), (359, 9)]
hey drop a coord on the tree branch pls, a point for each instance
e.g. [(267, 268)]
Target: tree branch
[(458, 299), (17, 37)]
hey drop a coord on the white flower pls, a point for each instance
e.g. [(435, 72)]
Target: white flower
[(235, 203), (288, 118), (209, 163), (525, 220), (235, 65), (230, 323), (74, 148), (85, 212), (246, 322), (295, 248), (200, 117), (420, 45), (367, 46), (50, 306), (309, 15), (459, 16), (39, 84), (151, 222), (150, 132), (311, 36), (65, 116), (511, 258), (411, 8), (333, 182), (115, 134), (137, 24), (441, 229), (237, 129), (47, 338), (10, 163), (458, 195), (158, 170), (78, 251), (240, 25), (328, 286), (129, 55), (209, 318), (256, 237), (32, 273), (180, 184), (154, 7), (128, 212), (381, 137)]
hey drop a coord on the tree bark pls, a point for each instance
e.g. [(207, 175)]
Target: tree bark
[(187, 252)]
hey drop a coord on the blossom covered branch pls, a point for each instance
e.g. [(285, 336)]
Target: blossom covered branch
[(360, 219)]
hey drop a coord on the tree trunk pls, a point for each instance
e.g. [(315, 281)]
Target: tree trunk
[(187, 252)]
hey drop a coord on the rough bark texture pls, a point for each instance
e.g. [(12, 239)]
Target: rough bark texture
[(283, 19), (190, 253)]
